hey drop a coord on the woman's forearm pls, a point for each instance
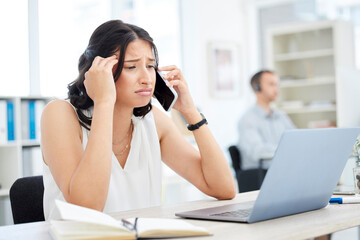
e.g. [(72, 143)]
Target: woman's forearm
[(90, 182), (215, 168)]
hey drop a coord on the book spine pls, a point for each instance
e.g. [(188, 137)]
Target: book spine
[(25, 120), (39, 107), (32, 121), (10, 121), (37, 162), (32, 161), (3, 122), (26, 159)]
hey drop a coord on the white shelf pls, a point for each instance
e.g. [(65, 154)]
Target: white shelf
[(22, 143), (307, 82), (9, 144), (4, 192), (30, 143), (310, 110), (303, 55)]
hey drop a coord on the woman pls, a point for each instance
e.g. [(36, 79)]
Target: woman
[(103, 148)]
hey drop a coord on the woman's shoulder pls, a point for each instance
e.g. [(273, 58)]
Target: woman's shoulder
[(59, 106), (162, 121), (158, 115), (59, 103), (59, 111)]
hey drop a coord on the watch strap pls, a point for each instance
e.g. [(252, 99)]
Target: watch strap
[(192, 127)]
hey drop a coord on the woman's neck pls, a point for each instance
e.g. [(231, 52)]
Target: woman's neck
[(121, 122)]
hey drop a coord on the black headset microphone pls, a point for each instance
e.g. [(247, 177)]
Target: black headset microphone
[(257, 88)]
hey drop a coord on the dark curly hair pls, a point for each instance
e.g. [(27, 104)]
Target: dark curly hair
[(107, 39)]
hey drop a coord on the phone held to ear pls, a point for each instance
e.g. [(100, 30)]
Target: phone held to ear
[(166, 96)]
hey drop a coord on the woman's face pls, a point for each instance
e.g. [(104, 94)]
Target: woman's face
[(136, 83)]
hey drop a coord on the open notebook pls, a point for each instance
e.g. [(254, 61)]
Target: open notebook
[(83, 223)]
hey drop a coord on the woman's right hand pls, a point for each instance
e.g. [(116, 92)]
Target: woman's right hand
[(99, 80)]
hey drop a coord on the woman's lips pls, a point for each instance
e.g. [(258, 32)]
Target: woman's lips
[(144, 92)]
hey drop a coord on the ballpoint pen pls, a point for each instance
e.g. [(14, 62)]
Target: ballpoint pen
[(345, 200), (131, 226)]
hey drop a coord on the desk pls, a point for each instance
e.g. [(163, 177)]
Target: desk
[(300, 226)]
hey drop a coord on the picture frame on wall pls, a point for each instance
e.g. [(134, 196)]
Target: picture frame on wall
[(224, 70)]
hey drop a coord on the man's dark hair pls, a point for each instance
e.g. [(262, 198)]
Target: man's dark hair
[(255, 80)]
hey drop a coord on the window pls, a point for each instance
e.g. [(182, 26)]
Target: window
[(64, 31), (66, 26), (160, 18), (14, 60)]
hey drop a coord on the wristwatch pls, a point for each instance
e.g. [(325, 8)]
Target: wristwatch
[(195, 126)]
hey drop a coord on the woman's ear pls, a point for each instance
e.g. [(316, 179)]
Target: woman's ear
[(115, 68), (116, 65)]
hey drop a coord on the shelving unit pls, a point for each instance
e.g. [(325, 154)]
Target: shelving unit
[(16, 158), (12, 162), (307, 56)]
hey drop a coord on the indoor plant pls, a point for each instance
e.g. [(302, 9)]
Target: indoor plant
[(356, 170)]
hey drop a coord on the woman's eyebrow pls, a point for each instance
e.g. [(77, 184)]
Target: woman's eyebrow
[(137, 59), (132, 60)]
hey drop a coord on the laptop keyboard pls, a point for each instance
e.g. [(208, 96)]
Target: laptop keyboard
[(241, 213)]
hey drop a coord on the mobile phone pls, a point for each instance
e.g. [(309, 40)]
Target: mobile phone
[(166, 96)]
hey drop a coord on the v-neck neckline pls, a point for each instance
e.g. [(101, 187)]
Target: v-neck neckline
[(129, 154)]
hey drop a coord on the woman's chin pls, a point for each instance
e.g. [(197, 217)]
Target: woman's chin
[(143, 104)]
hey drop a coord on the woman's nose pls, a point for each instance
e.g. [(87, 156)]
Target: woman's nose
[(146, 76)]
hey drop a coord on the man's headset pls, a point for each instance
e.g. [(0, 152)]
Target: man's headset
[(255, 80)]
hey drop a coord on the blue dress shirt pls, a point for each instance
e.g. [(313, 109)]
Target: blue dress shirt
[(259, 134)]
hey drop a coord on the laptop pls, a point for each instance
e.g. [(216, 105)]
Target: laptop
[(303, 174)]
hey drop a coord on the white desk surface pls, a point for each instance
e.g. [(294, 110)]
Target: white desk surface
[(300, 226)]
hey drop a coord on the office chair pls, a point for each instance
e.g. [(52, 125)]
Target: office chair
[(250, 179), (26, 198)]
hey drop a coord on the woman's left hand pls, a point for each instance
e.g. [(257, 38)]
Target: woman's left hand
[(184, 104)]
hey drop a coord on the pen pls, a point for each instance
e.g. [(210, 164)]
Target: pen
[(345, 200)]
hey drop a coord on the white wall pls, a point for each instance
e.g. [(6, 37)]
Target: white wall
[(206, 21)]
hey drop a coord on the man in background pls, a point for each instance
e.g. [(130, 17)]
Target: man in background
[(261, 127)]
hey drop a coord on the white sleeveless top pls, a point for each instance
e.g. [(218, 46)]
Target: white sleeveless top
[(138, 185)]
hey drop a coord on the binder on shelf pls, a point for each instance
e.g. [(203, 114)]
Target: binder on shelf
[(32, 127), (34, 110), (32, 161), (10, 121), (39, 107), (3, 121), (25, 120)]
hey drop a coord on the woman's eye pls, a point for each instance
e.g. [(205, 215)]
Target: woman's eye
[(131, 67), (151, 66)]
